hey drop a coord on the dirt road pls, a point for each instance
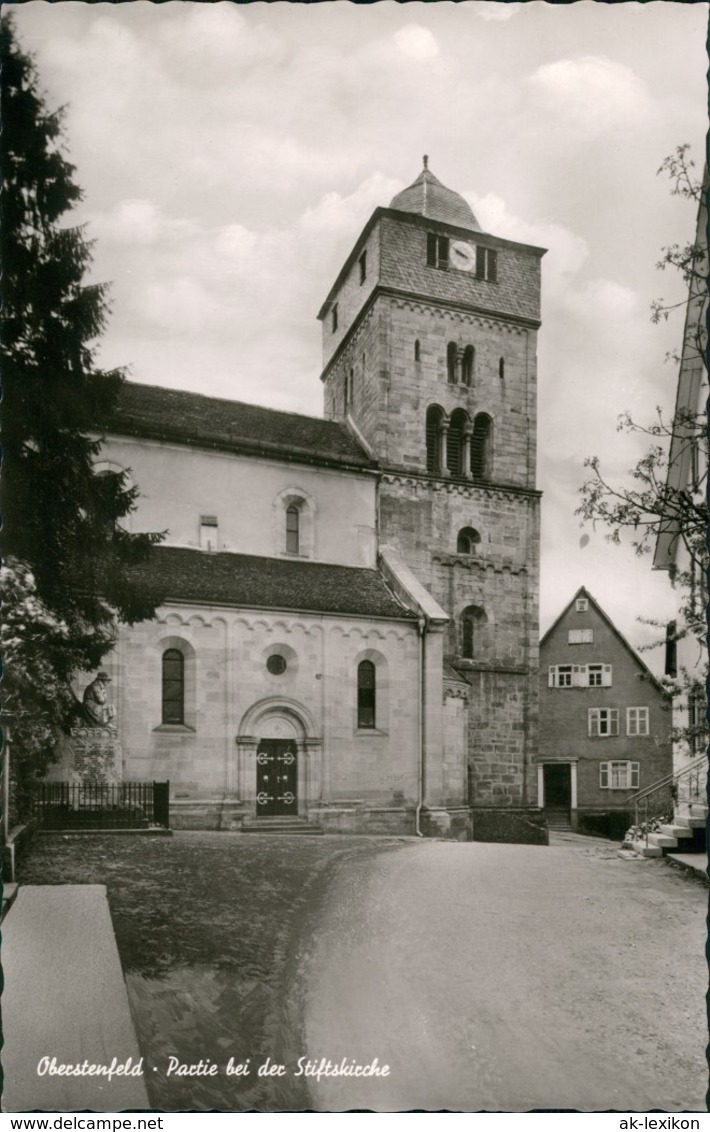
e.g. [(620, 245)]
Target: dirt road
[(510, 978)]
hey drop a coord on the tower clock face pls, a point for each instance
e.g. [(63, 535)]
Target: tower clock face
[(462, 256)]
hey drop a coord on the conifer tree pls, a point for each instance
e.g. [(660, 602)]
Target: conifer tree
[(62, 538)]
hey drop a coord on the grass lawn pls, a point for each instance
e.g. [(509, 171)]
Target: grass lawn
[(207, 927)]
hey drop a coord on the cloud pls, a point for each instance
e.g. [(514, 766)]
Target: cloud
[(231, 154), (591, 93), (566, 250), (416, 42), (491, 10)]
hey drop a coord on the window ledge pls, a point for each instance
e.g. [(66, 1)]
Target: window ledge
[(374, 731), (176, 728)]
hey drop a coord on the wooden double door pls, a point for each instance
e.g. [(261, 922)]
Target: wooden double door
[(276, 778)]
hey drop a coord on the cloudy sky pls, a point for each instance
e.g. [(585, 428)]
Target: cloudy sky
[(230, 156)]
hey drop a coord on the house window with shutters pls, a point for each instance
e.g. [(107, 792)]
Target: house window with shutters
[(366, 694), (619, 775), (602, 722), (487, 264), (581, 605), (437, 251), (598, 675), (671, 665), (560, 676), (579, 676), (637, 721), (697, 727), (580, 637), (173, 689)]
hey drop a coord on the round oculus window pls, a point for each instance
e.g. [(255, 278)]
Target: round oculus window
[(276, 664)]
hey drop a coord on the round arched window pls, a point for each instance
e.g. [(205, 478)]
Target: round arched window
[(276, 664), (467, 541)]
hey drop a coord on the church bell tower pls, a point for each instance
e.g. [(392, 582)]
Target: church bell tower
[(429, 352)]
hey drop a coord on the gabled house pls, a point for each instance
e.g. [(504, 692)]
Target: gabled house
[(605, 722)]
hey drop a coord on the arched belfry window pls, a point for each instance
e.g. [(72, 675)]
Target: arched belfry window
[(467, 541), (455, 442), (173, 690), (366, 694), (473, 619), (451, 363), (482, 447), (434, 419), (467, 365), (293, 519)]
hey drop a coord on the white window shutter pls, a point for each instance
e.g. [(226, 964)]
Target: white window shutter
[(604, 776), (551, 673), (606, 676), (590, 721), (634, 776), (577, 670)]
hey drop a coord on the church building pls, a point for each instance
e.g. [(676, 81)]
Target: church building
[(347, 634)]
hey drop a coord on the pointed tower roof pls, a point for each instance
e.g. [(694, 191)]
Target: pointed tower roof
[(428, 197)]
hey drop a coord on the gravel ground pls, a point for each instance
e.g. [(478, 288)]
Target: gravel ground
[(205, 924)]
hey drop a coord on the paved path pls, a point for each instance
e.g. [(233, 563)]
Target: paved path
[(511, 978), (65, 997)]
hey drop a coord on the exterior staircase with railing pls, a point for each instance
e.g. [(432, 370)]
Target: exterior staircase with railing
[(684, 790)]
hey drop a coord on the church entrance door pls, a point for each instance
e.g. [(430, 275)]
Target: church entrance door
[(276, 778)]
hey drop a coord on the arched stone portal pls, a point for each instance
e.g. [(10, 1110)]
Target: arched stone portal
[(279, 755)]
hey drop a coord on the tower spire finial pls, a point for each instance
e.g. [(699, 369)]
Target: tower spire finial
[(426, 161)]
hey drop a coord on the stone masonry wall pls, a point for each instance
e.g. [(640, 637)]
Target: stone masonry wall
[(392, 390), (230, 693)]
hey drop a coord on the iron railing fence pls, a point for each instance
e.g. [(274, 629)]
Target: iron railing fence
[(687, 786), (101, 805)]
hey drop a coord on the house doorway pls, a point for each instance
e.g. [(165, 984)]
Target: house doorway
[(557, 779), (276, 778)]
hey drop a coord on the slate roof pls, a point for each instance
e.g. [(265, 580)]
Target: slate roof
[(428, 197), (191, 418), (253, 582)]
